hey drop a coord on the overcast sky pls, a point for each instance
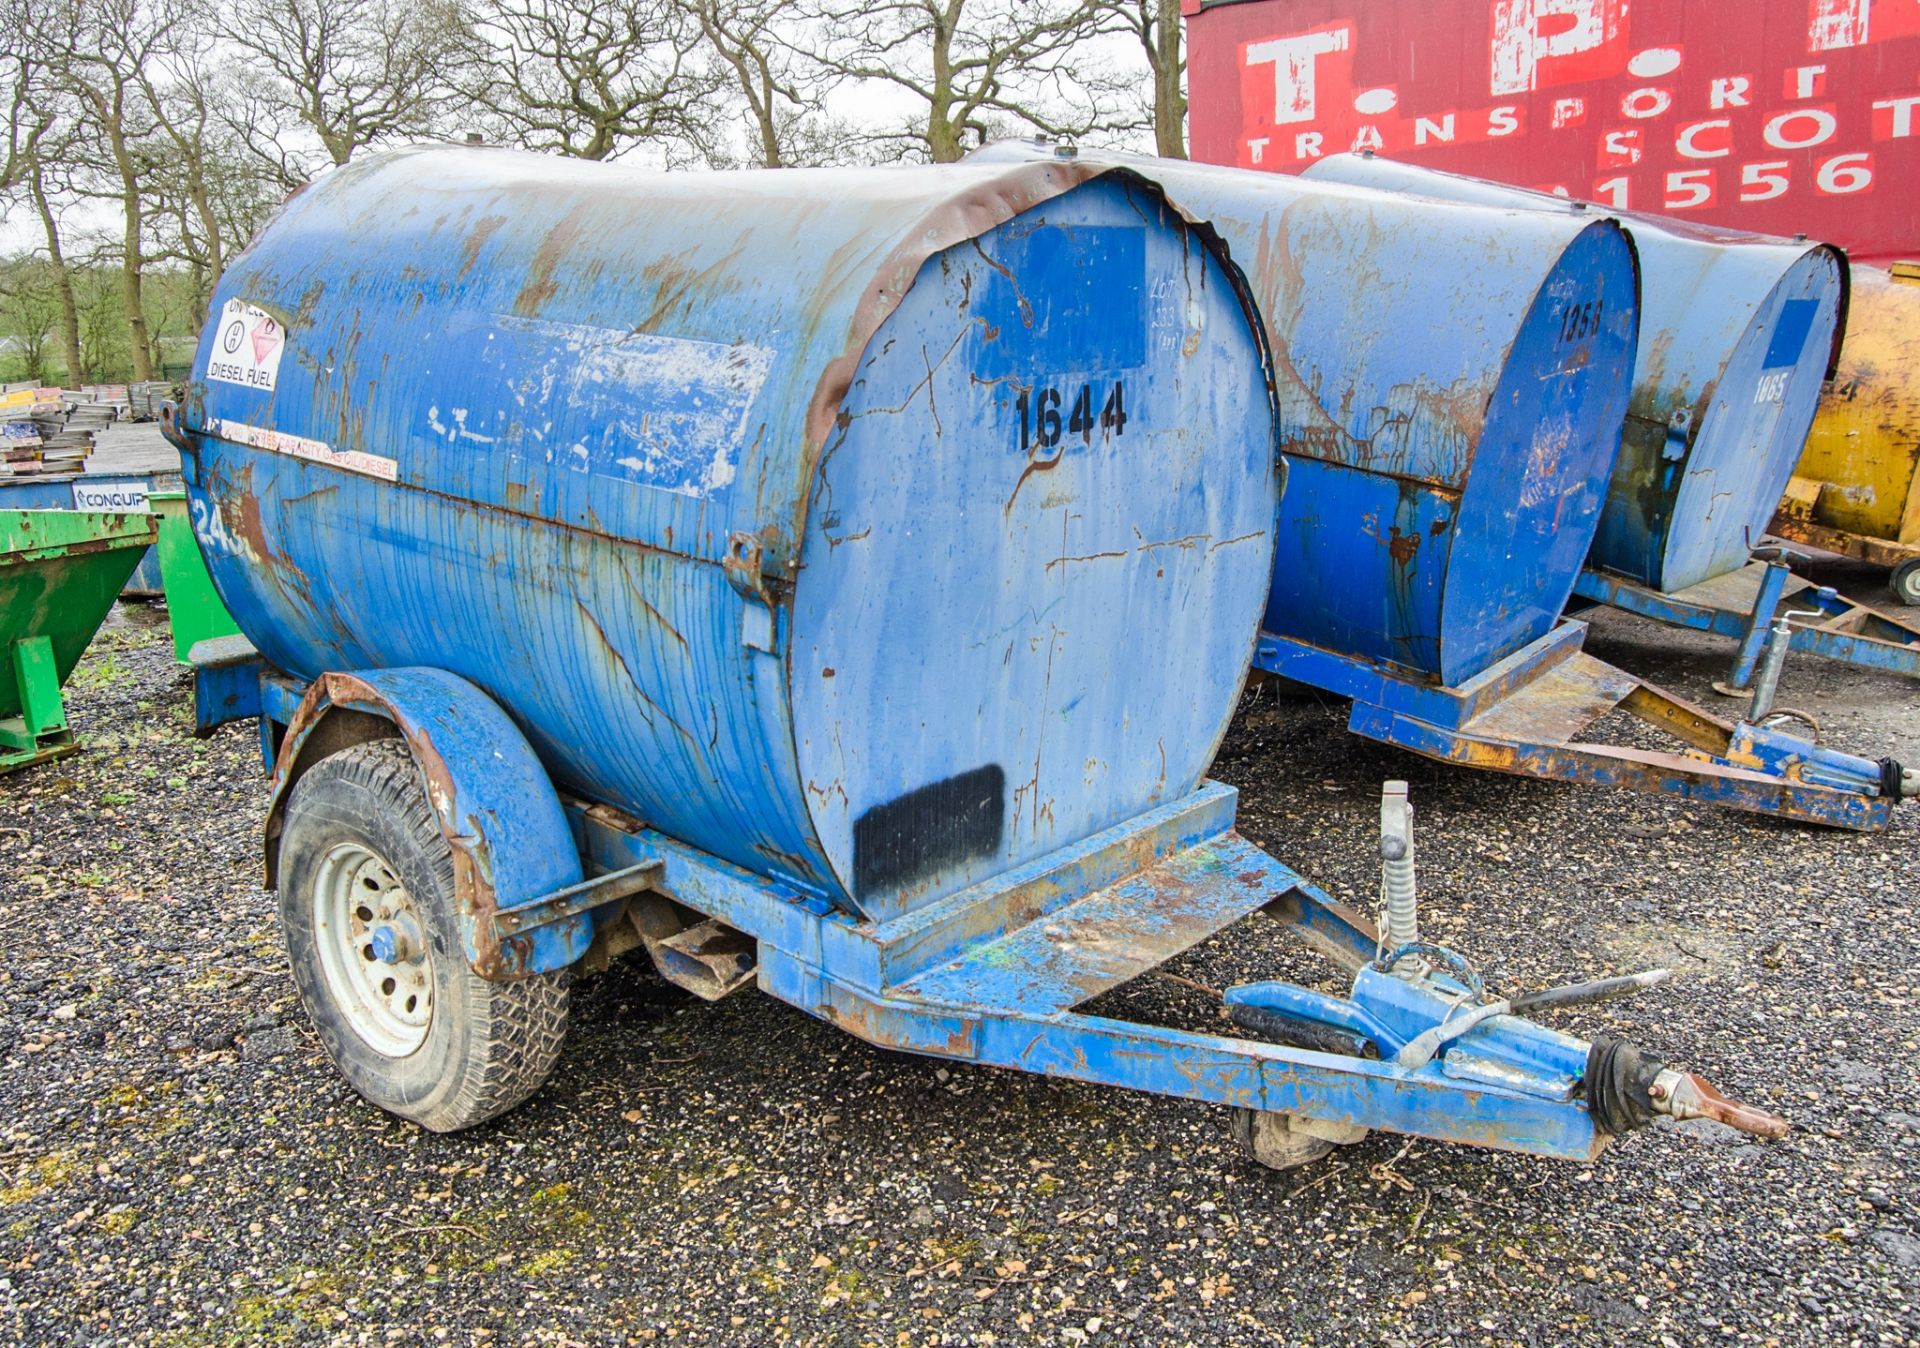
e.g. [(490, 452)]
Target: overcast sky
[(873, 105)]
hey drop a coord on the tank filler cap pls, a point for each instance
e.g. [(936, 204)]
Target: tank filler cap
[(1065, 151)]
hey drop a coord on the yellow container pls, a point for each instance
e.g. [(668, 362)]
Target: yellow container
[(1857, 488)]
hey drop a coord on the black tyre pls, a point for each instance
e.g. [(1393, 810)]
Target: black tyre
[(1905, 582), (1270, 1140), (372, 928)]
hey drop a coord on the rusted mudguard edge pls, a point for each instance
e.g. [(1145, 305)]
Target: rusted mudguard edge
[(495, 804)]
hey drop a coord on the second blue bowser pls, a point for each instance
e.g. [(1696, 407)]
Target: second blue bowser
[(1738, 334)]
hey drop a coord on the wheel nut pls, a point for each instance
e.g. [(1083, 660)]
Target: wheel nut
[(389, 945)]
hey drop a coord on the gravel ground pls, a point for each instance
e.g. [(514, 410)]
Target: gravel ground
[(179, 1164)]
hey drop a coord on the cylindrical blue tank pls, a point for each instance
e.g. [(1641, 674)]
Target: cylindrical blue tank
[(1737, 334), (1451, 383), (876, 530)]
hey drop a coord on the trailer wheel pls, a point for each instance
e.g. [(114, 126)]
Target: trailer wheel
[(1284, 1142), (368, 910), (1905, 583)]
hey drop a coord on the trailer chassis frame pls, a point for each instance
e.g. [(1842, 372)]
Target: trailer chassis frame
[(1742, 605), (1522, 716), (996, 974)]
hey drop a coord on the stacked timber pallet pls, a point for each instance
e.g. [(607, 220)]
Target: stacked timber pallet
[(19, 444), (46, 430), (144, 398), (33, 434), (88, 413), (98, 404), (112, 397), (65, 444)]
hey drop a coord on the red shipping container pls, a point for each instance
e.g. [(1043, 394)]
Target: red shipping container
[(1782, 116)]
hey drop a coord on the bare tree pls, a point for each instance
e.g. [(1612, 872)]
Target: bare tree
[(16, 81), (589, 79), (782, 90), (355, 72), (212, 190), (274, 140), (1156, 24), (92, 53), (980, 67), (177, 91), (36, 172)]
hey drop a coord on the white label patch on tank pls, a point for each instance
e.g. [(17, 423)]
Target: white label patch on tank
[(670, 412), (247, 345), (299, 447)]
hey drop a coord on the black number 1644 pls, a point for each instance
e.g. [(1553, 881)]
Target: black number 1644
[(1040, 424)]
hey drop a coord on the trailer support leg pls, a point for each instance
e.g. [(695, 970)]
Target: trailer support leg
[(1741, 606), (1753, 643)]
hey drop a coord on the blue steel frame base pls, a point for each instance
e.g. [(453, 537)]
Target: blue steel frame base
[(991, 976), (1741, 607), (994, 974), (1522, 715)]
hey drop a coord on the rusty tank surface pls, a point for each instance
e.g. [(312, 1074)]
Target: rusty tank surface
[(1451, 382), (833, 583), (1737, 333), (1856, 489), (872, 530)]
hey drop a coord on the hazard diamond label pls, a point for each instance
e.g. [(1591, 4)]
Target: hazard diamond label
[(247, 345)]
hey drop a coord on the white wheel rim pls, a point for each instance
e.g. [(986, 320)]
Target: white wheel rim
[(373, 950)]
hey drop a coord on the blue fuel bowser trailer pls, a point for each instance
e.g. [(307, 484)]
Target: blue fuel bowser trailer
[(1451, 383), (835, 581), (1738, 333)]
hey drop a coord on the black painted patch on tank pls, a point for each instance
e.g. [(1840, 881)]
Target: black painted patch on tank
[(928, 830)]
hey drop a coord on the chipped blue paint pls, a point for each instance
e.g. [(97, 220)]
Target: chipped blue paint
[(992, 977), (682, 470), (611, 407), (1737, 334), (1448, 428)]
